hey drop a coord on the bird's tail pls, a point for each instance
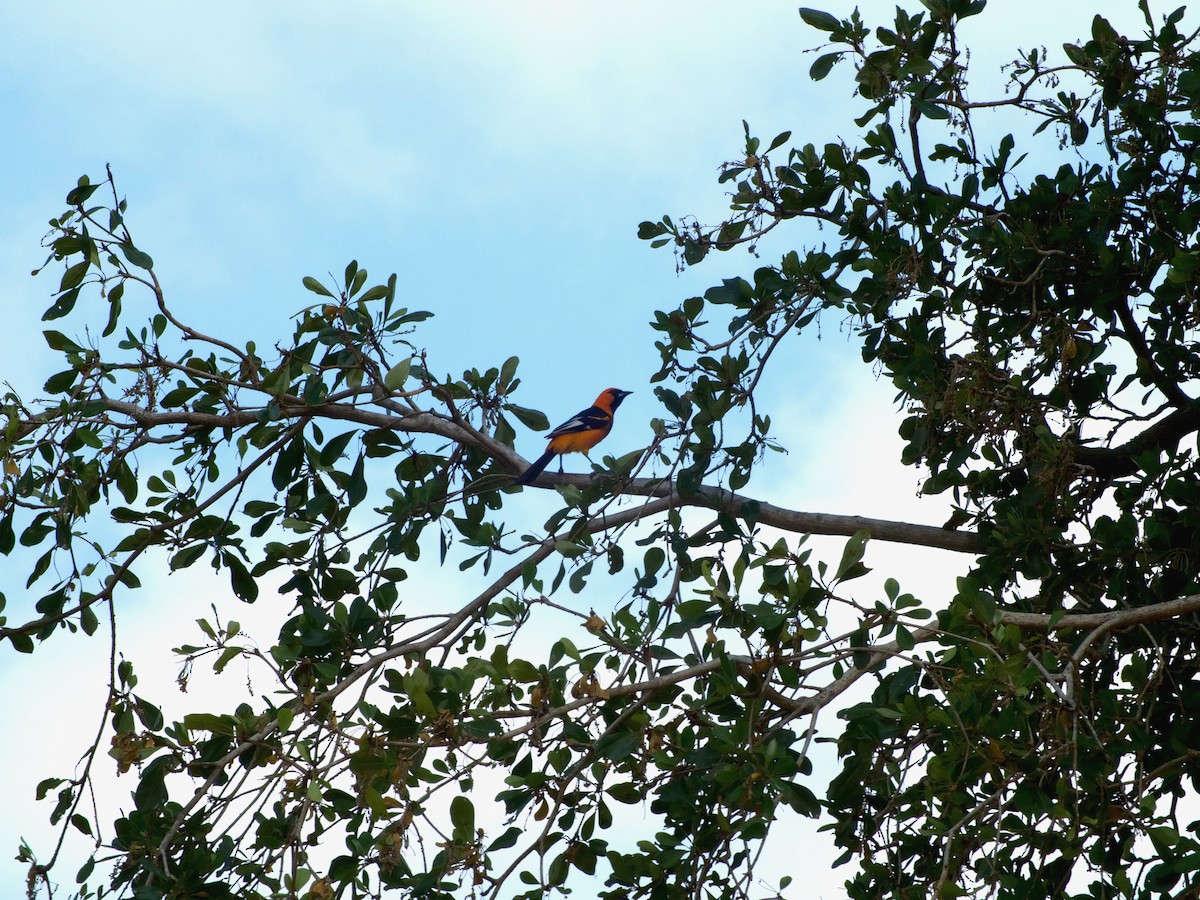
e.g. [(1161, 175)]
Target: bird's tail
[(536, 468)]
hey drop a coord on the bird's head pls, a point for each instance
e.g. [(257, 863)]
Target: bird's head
[(615, 396)]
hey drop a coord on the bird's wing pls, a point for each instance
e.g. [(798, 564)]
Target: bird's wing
[(589, 419)]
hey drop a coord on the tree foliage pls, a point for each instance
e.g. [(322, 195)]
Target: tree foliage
[(1022, 267)]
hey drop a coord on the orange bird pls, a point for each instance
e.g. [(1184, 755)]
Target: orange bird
[(580, 433)]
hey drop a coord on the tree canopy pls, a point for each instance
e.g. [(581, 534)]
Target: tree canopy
[(1021, 266)]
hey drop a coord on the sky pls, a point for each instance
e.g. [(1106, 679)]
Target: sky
[(498, 158)]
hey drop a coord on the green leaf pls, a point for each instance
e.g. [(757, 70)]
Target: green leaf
[(136, 257), (7, 534), (227, 656), (240, 579), (62, 305), (852, 554), (85, 871), (822, 21), (397, 375), (506, 840), (1164, 838), (619, 745), (930, 110), (22, 643), (533, 419), (60, 383), (1103, 32), (648, 230), (508, 371), (819, 69), (1079, 131), (88, 620), (333, 450), (462, 817), (80, 194), (56, 340), (209, 722), (1077, 55), (148, 714), (187, 556), (316, 287), (356, 488), (45, 786), (624, 792), (405, 318), (74, 276)]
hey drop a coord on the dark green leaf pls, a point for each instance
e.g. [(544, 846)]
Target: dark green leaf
[(462, 817), (187, 556), (88, 620), (74, 276), (824, 63), (822, 21), (356, 488), (1077, 55), (61, 383), (852, 554), (397, 375), (80, 194), (62, 305), (136, 257), (85, 871), (316, 287), (240, 579), (531, 418), (56, 340), (114, 309)]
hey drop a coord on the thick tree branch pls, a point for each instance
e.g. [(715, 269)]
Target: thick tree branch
[(741, 506), (709, 497), (1113, 620), (1115, 462)]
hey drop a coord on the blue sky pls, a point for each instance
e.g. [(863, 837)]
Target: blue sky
[(498, 157)]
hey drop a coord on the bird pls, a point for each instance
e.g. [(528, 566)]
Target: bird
[(580, 433)]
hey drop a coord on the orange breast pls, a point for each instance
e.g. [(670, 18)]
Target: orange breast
[(578, 441)]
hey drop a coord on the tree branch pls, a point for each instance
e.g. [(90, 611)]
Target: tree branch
[(1114, 462), (1112, 620), (741, 506), (708, 497)]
